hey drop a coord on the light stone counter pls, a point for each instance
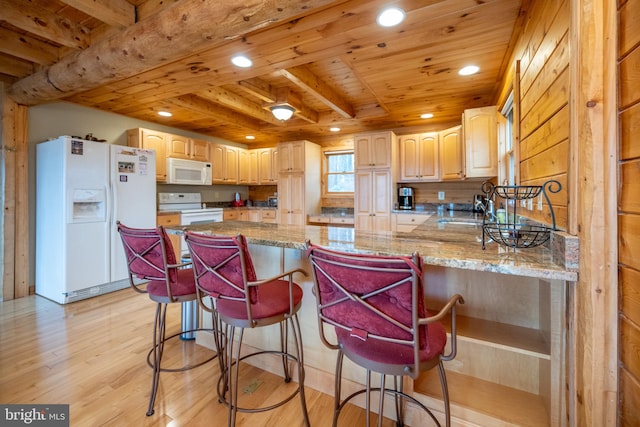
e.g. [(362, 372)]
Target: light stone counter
[(438, 243)]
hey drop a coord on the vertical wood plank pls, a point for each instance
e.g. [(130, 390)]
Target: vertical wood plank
[(593, 169), (9, 207)]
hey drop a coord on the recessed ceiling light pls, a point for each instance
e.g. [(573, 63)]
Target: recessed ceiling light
[(390, 17), (468, 70), (164, 114), (241, 61), (426, 116), (334, 129), (250, 137)]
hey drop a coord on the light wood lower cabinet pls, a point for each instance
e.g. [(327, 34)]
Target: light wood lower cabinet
[(407, 222), (171, 220), (373, 200)]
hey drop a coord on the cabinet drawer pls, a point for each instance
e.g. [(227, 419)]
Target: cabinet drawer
[(269, 214), (230, 215), (411, 219), (340, 220), (168, 220), (319, 219)]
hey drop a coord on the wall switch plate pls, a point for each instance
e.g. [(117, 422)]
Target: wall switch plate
[(440, 195)]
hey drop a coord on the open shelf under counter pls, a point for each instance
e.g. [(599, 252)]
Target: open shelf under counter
[(501, 335), (493, 403)]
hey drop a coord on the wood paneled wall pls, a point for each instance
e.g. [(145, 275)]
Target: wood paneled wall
[(15, 209), (629, 212), (543, 102)]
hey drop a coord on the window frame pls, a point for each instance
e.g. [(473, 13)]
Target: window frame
[(334, 151)]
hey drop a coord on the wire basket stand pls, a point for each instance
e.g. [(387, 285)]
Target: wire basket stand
[(504, 227)]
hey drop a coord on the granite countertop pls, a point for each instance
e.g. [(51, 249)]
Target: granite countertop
[(441, 240)]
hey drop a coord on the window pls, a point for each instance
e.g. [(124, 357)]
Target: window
[(338, 173), (506, 150)]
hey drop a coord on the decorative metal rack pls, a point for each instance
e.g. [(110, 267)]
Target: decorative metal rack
[(506, 229)]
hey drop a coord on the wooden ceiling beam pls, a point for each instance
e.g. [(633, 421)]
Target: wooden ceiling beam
[(237, 103), (14, 67), (33, 19), (117, 13), (258, 88), (305, 79), (176, 32), (27, 48), (201, 105)]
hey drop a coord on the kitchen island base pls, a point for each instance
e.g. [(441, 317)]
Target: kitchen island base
[(510, 367)]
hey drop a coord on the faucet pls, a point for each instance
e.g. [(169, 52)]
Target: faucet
[(487, 207)]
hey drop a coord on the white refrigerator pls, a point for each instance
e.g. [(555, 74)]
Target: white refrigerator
[(82, 189)]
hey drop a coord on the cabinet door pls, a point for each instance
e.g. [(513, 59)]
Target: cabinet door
[(267, 171), (291, 156), (243, 166), (451, 160), (217, 154), (428, 158), (284, 198), (296, 200), (231, 165), (419, 157), (381, 200), (150, 140), (199, 150), (409, 169), (373, 151), (381, 150), (481, 142), (178, 147), (363, 200), (253, 166)]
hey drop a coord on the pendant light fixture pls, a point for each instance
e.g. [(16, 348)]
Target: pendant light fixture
[(282, 112)]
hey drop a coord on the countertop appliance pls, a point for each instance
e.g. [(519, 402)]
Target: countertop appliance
[(191, 209), (188, 172), (405, 198), (82, 188)]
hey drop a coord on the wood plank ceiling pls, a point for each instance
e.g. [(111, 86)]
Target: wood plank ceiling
[(328, 59)]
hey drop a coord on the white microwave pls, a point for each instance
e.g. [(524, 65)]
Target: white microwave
[(188, 172)]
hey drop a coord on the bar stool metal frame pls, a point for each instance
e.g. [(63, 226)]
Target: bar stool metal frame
[(151, 263), (224, 274), (375, 305)]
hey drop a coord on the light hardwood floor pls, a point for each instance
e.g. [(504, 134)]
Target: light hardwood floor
[(91, 355)]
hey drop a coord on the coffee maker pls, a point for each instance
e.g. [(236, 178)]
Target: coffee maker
[(405, 198)]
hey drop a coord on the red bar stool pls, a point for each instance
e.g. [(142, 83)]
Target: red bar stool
[(375, 305), (151, 260), (225, 274)]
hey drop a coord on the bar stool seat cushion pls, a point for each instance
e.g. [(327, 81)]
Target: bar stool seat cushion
[(393, 353), (272, 299), (184, 285)]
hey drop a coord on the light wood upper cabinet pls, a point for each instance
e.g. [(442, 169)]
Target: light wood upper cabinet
[(151, 140), (481, 142), (224, 159), (268, 166), (252, 164), (181, 147), (374, 150), (291, 156), (419, 157), (451, 157), (244, 167)]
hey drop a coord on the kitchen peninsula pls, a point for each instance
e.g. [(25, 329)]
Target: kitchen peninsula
[(512, 334)]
